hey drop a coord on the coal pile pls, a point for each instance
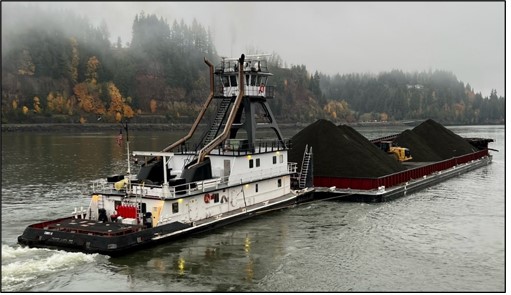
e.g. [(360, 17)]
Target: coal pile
[(430, 141), (419, 148), (341, 152)]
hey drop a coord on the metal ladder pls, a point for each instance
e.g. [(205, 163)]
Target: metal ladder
[(217, 123), (307, 155)]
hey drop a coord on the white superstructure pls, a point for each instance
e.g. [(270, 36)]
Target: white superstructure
[(228, 173)]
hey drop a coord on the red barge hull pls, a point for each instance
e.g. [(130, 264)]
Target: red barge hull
[(392, 186)]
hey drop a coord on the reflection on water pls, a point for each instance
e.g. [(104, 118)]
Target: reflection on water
[(449, 237)]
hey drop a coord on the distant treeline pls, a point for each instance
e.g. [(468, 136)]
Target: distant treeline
[(57, 68)]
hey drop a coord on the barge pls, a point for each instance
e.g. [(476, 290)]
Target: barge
[(417, 176), (227, 175)]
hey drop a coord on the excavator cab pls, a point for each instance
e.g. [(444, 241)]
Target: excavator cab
[(400, 153)]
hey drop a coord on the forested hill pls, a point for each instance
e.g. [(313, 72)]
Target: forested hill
[(57, 67)]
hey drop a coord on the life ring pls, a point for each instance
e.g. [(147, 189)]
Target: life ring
[(261, 88), (207, 198)]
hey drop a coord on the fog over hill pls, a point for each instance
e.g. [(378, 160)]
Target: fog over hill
[(466, 38)]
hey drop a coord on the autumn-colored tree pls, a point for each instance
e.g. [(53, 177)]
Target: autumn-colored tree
[(116, 102), (25, 110), (99, 107), (118, 117), (50, 102), (83, 97), (337, 109), (89, 102), (153, 105), (92, 70), (57, 103), (37, 105), (128, 111), (118, 105), (14, 104)]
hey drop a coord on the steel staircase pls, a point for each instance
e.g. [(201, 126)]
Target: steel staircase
[(306, 163), (217, 123)]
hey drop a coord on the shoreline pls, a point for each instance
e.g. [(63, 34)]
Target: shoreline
[(98, 127), (89, 127)]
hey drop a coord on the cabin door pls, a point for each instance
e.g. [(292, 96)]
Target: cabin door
[(193, 209)]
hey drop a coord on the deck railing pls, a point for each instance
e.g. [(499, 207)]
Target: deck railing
[(243, 149)]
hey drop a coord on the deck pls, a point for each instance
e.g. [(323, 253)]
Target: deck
[(93, 227)]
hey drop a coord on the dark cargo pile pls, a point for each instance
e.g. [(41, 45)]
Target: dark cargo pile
[(341, 152), (430, 141), (419, 148)]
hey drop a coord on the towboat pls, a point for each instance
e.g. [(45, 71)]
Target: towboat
[(230, 173)]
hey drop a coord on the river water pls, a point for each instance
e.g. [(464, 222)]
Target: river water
[(449, 237)]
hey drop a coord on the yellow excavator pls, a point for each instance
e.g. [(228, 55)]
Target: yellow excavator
[(400, 153)]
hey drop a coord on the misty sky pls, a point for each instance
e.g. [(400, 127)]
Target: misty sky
[(466, 38)]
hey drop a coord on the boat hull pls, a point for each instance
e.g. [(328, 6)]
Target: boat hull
[(45, 235)]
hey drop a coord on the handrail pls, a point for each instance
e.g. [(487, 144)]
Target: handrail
[(210, 146), (201, 113)]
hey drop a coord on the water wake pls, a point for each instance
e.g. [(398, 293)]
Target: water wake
[(23, 268)]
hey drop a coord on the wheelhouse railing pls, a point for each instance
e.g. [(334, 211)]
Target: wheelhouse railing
[(238, 147), (251, 65)]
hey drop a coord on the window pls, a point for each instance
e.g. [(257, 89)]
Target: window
[(233, 81), (251, 163), (281, 158), (258, 162), (175, 207), (279, 182), (274, 159), (257, 187)]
